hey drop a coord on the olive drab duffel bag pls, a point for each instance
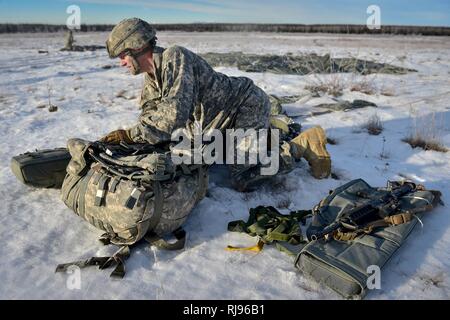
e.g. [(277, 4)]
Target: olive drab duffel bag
[(342, 259), (41, 168), (131, 194)]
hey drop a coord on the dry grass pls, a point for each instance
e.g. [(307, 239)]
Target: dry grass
[(333, 85), (364, 85), (426, 133), (50, 106), (374, 126), (388, 92), (384, 154), (420, 142)]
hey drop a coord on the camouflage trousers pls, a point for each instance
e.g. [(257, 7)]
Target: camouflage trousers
[(254, 114)]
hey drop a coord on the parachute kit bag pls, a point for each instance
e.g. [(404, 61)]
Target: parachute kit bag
[(340, 252), (131, 193), (42, 168)]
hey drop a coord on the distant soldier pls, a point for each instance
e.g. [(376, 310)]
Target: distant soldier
[(180, 87), (69, 41)]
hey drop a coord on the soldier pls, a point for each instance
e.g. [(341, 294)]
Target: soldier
[(181, 87), (69, 41)]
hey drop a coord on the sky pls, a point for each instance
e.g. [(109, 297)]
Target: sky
[(399, 12)]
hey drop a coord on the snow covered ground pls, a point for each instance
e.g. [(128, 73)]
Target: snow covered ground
[(38, 232)]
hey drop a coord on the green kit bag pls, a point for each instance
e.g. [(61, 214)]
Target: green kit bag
[(343, 260), (42, 168)]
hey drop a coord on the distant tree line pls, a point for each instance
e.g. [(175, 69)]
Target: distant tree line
[(242, 27), (35, 27)]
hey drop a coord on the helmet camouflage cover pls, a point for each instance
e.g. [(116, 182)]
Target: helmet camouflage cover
[(129, 34)]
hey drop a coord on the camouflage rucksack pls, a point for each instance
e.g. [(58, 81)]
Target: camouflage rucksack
[(131, 194)]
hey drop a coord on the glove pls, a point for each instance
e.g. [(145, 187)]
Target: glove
[(115, 137), (310, 145)]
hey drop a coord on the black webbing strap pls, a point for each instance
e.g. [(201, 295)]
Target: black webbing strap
[(105, 238), (157, 205), (115, 181), (101, 191), (117, 258), (133, 198), (160, 243), (83, 188), (185, 169)]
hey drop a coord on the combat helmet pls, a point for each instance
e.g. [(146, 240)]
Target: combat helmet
[(129, 34)]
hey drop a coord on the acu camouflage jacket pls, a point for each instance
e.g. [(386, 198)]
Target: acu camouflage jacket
[(185, 88)]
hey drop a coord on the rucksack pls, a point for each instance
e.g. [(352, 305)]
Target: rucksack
[(131, 193)]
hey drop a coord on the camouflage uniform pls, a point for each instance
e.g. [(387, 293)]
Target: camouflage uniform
[(185, 88), (69, 41)]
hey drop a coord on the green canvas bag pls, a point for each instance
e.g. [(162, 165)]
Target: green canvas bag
[(344, 262), (42, 168)]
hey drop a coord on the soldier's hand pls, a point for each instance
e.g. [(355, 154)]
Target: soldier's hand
[(115, 137)]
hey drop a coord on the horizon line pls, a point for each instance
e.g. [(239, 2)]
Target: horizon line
[(235, 23)]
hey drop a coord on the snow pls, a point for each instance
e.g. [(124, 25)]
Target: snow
[(38, 231)]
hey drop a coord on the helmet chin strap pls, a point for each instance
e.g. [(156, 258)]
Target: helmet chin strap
[(136, 67)]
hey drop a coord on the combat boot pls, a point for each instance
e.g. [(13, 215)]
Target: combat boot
[(310, 145)]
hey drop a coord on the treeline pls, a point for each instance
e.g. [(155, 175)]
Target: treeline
[(306, 28), (242, 27), (35, 27)]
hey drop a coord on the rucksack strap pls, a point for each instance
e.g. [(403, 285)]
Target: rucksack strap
[(159, 242), (158, 203), (117, 258), (124, 252), (83, 188)]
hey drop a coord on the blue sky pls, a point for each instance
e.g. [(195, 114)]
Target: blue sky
[(399, 12)]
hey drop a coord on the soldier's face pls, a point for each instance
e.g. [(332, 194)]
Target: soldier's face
[(127, 62), (145, 62)]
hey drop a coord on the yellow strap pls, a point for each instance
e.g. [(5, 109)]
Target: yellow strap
[(257, 248), (344, 236)]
